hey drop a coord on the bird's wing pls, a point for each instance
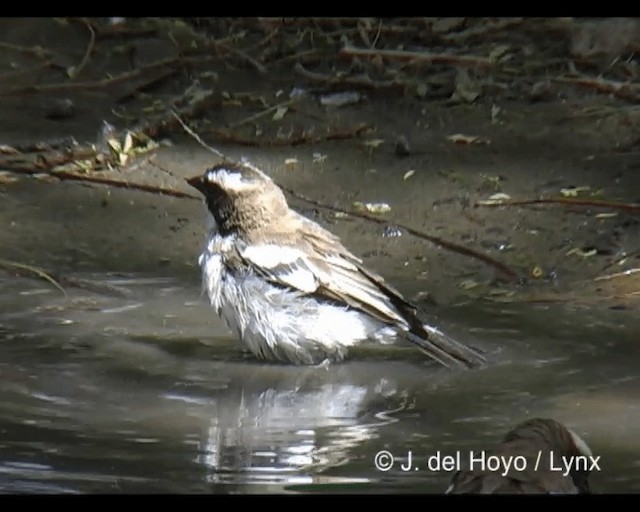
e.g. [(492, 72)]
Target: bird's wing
[(330, 276), (315, 263)]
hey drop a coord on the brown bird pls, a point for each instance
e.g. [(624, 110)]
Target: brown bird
[(543, 448), (289, 289)]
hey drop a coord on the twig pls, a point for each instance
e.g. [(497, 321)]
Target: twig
[(228, 136), (591, 203), (481, 29), (619, 260), (196, 136), (92, 41), (445, 58), (98, 180), (259, 67), (106, 82), (57, 279), (302, 55), (617, 274), (419, 234), (31, 71), (154, 127), (625, 91), (358, 82), (13, 265), (66, 175), (265, 112), (36, 51)]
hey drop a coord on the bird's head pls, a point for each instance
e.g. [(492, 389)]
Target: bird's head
[(240, 196)]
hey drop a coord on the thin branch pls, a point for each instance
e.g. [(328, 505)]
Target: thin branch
[(591, 203), (617, 274), (263, 113), (66, 175), (106, 82), (57, 279), (98, 180), (502, 268), (258, 67), (357, 82), (297, 140), (425, 57), (92, 41), (36, 51), (626, 91), (23, 268), (196, 136), (484, 28)]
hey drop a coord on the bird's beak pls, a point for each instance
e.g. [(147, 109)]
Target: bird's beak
[(197, 182)]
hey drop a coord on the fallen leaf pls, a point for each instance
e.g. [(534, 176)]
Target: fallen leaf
[(372, 207), (8, 150), (496, 199), (537, 272), (466, 89), (468, 284), (318, 158), (373, 143), (573, 191), (340, 99), (6, 177), (128, 142), (459, 138), (584, 253), (408, 174), (498, 52), (280, 113)]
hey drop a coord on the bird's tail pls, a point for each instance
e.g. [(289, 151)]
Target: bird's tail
[(444, 349)]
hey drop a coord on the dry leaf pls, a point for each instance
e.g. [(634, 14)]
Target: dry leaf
[(8, 150), (582, 252), (280, 113), (6, 177), (496, 199), (373, 143), (573, 191), (466, 89), (372, 207), (468, 284), (459, 138), (318, 158)]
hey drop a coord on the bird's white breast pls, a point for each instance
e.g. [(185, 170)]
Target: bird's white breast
[(277, 323)]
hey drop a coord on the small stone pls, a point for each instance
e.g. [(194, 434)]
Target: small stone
[(61, 109), (402, 146)]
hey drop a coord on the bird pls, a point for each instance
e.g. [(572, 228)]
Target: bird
[(541, 443), (288, 288)]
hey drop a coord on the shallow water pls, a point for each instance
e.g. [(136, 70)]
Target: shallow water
[(149, 394), (139, 388)]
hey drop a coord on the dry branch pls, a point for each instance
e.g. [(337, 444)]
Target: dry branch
[(422, 57), (589, 203)]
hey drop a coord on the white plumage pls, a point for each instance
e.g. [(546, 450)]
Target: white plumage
[(279, 324)]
